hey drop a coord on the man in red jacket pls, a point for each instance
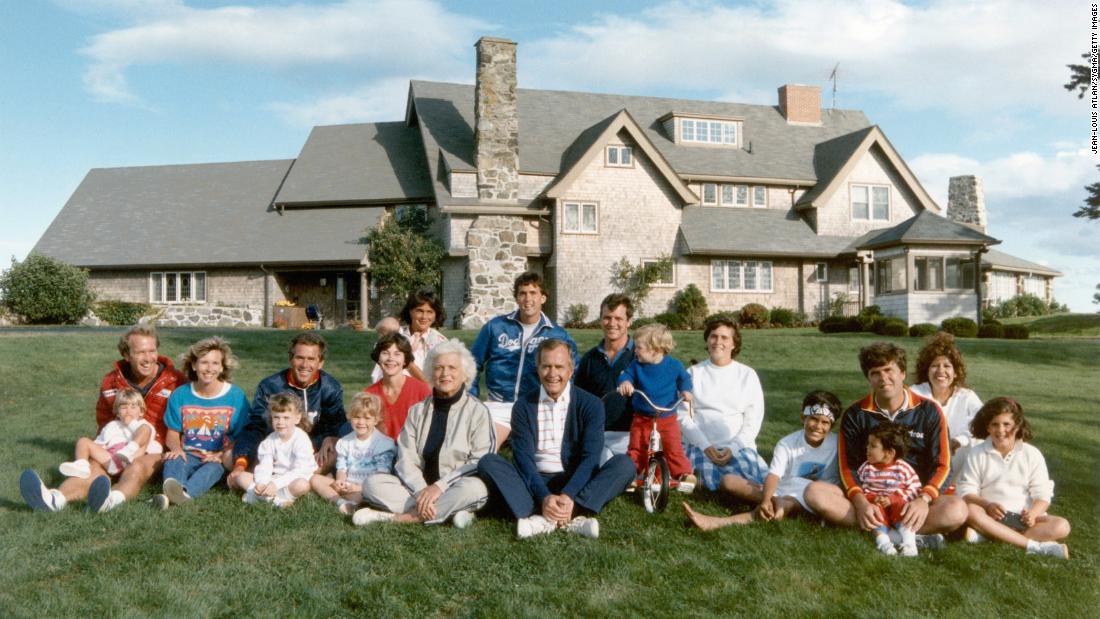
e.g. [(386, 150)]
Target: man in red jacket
[(151, 374)]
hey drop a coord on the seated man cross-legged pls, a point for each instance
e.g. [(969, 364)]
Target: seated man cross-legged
[(557, 440)]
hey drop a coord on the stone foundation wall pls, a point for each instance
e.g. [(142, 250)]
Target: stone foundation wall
[(497, 248), (207, 316)]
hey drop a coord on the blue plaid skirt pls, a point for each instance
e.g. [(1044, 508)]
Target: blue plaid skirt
[(746, 464)]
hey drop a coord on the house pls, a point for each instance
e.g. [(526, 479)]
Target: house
[(788, 205)]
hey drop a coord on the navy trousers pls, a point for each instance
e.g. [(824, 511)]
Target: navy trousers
[(503, 478)]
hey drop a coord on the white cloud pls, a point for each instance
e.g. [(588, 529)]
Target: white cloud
[(377, 101), (386, 37), (980, 56)]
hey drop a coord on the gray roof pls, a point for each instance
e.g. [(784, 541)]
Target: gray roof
[(1006, 262), (830, 157), (710, 230), (550, 122), (198, 215), (926, 228), (360, 163)]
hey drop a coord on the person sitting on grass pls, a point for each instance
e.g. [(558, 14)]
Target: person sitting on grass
[(203, 419), (799, 458), (889, 483), (150, 374), (662, 378), (363, 452), (1005, 484), (118, 444), (284, 460)]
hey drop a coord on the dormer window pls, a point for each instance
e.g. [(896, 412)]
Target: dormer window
[(693, 130), (619, 157)]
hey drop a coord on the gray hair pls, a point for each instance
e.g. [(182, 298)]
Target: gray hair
[(453, 346)]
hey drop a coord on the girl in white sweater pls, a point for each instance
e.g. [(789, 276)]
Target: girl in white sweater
[(1006, 486), (284, 460)]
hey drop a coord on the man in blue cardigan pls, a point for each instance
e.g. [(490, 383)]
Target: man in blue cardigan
[(557, 438)]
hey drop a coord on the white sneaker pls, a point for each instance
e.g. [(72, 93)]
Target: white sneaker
[(534, 525), (973, 537), (282, 503), (909, 550), (885, 546), (930, 542), (462, 519), (1052, 549), (250, 495), (687, 483), (159, 502), (584, 526), (114, 499), (37, 496), (176, 494), (345, 507), (76, 468), (367, 516)]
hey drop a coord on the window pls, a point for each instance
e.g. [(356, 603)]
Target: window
[(727, 195), (177, 287), (742, 195), (740, 275), (580, 217), (853, 279), (760, 197), (667, 278), (619, 157), (708, 131), (871, 202), (959, 273), (890, 275), (710, 193), (928, 273), (822, 272)]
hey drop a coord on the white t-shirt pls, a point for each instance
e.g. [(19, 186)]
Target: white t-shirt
[(283, 462), (362, 458), (959, 411), (794, 457)]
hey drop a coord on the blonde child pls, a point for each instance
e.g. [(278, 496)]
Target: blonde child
[(359, 454), (1005, 484), (663, 379), (798, 459), (284, 460), (889, 483), (119, 443)]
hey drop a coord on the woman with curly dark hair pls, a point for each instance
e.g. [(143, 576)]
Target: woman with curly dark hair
[(941, 376)]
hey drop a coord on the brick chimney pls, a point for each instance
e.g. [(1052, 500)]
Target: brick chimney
[(966, 202), (496, 123), (800, 104)]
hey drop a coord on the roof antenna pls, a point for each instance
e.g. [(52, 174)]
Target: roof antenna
[(833, 76)]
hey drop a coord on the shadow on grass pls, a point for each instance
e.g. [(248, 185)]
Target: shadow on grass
[(62, 447)]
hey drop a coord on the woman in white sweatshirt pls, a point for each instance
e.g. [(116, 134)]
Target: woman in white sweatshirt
[(720, 434)]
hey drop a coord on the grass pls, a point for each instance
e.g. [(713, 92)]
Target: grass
[(1060, 325), (219, 557)]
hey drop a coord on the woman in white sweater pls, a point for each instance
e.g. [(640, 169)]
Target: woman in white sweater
[(720, 434), (941, 376)]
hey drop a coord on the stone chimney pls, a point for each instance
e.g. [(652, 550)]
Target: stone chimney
[(966, 202), (496, 123), (800, 104)]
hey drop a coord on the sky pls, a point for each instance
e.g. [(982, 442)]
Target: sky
[(957, 87)]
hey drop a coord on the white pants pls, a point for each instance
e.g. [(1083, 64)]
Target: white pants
[(614, 443), (387, 491)]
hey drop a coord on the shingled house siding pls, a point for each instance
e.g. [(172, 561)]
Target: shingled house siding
[(784, 284), (531, 185), (935, 306), (638, 217), (463, 185), (835, 218), (454, 287), (132, 286)]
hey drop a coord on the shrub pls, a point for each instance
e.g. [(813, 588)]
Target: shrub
[(867, 317), (672, 320), (783, 317), (1022, 305), (754, 315), (641, 322), (895, 327), (923, 329), (991, 330), (733, 317), (833, 324), (576, 315), (874, 325), (1016, 332), (853, 324), (42, 290), (121, 313), (404, 256), (691, 306), (960, 326)]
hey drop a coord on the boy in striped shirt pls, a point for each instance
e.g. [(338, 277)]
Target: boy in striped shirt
[(889, 483)]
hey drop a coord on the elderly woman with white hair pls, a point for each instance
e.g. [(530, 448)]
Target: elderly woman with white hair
[(437, 451)]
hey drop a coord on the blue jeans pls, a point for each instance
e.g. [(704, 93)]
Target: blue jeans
[(193, 474)]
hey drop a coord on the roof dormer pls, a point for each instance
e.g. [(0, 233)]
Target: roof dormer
[(688, 129)]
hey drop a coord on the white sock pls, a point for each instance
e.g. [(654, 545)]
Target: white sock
[(1033, 546), (882, 539), (117, 497), (284, 494), (908, 537), (59, 499)]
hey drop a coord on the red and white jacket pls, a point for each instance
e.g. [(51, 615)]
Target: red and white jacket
[(156, 399)]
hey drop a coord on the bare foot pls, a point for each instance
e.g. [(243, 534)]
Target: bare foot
[(708, 523)]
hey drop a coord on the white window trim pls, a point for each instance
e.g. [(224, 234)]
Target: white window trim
[(737, 125), (733, 195), (752, 197), (703, 194), (817, 272), (870, 201), (580, 216), (741, 263), (748, 196), (159, 298), (659, 284), (619, 148)]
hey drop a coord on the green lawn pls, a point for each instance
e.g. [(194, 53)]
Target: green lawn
[(219, 557), (1060, 325)]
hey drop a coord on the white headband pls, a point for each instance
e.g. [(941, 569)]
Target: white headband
[(818, 410)]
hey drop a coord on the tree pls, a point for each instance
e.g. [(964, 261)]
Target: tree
[(1080, 77), (636, 281), (403, 257), (44, 290), (1096, 295), (1091, 208)]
